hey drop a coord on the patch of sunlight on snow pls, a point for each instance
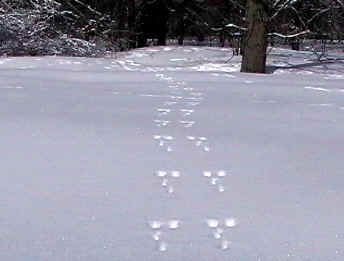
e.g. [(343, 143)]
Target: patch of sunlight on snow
[(304, 72), (211, 67), (11, 87), (334, 77), (317, 89), (178, 59)]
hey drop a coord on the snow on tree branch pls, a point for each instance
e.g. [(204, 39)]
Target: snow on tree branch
[(290, 35), (46, 27)]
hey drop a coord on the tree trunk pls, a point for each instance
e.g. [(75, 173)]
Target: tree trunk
[(162, 39), (254, 56), (222, 38), (121, 24), (181, 40), (181, 32), (132, 23), (142, 40)]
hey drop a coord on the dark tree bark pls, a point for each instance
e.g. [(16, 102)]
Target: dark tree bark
[(254, 56), (132, 23), (152, 22), (181, 40), (121, 22), (162, 37), (181, 32), (222, 38)]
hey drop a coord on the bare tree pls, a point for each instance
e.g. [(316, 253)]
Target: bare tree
[(262, 15), (254, 55)]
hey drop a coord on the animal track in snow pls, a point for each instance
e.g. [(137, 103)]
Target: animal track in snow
[(162, 246), (161, 123), (192, 103), (163, 77), (180, 83), (231, 222), (187, 124), (173, 86), (158, 225), (163, 137), (219, 228), (155, 224), (164, 141), (200, 142), (194, 98), (215, 179), (167, 179), (186, 112), (225, 244), (162, 228), (173, 97), (182, 98), (193, 138), (163, 111), (170, 103)]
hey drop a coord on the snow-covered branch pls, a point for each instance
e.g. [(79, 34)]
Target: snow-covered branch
[(45, 27), (290, 35), (236, 27)]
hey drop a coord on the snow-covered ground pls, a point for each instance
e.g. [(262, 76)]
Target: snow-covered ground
[(169, 153)]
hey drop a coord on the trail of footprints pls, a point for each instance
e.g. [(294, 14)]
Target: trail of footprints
[(216, 179), (164, 141), (168, 179), (182, 103), (218, 228), (160, 229), (201, 142)]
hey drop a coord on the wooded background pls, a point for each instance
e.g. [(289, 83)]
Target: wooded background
[(96, 27)]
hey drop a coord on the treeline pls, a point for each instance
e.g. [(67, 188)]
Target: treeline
[(94, 27)]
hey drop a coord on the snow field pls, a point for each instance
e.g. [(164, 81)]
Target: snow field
[(178, 102), (169, 153)]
